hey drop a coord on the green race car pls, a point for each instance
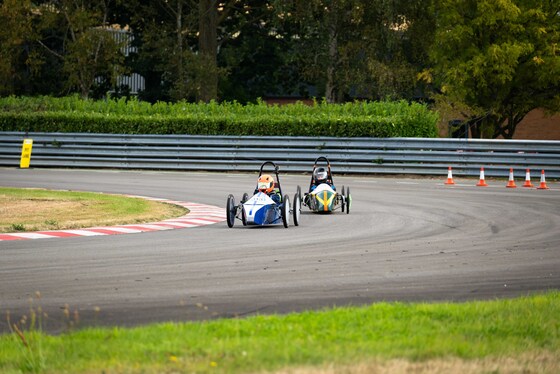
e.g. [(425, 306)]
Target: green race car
[(322, 196)]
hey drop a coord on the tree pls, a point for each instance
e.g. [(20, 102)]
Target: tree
[(255, 54), (18, 61), (497, 60), (181, 42), (85, 44), (323, 31), (221, 23), (358, 48), (208, 48)]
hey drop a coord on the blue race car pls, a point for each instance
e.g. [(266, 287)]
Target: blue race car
[(267, 206)]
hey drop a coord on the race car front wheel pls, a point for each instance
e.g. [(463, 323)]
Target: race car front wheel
[(230, 211), (297, 208), (286, 211)]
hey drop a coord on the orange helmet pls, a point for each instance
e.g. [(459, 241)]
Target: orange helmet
[(265, 183)]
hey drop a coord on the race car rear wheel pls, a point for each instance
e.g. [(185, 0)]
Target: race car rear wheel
[(230, 211), (348, 200), (243, 213), (343, 200), (297, 208), (243, 216), (286, 211)]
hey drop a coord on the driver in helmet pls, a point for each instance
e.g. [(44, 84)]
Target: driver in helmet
[(265, 184), (320, 175)]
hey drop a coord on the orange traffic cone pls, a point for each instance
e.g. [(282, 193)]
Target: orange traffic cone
[(528, 179), (511, 182), (449, 177), (482, 182), (543, 185)]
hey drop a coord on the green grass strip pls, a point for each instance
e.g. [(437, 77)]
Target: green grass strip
[(341, 336), (37, 209)]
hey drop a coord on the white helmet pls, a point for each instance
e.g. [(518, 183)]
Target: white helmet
[(320, 174)]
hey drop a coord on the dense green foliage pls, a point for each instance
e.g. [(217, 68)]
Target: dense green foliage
[(359, 119), (488, 62), (497, 61), (341, 336), (202, 50), (359, 48)]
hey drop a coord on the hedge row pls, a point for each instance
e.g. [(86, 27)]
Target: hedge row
[(373, 119)]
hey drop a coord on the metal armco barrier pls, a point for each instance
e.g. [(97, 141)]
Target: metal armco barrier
[(420, 156)]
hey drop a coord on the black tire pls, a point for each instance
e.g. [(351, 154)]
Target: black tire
[(298, 192), (286, 211), (342, 206), (243, 214), (230, 211), (348, 200), (297, 208)]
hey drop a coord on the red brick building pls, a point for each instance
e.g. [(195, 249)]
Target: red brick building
[(537, 126)]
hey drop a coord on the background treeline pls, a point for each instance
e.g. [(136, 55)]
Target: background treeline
[(485, 61), (72, 114), (205, 50)]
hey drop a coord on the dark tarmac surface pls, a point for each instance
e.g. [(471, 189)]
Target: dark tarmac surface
[(405, 239)]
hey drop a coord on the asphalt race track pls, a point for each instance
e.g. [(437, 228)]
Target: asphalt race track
[(407, 239)]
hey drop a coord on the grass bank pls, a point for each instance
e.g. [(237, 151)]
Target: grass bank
[(37, 209), (514, 335)]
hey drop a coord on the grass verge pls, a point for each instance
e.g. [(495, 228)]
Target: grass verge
[(37, 210), (513, 335)]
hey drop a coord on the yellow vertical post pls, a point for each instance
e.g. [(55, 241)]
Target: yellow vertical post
[(26, 153)]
